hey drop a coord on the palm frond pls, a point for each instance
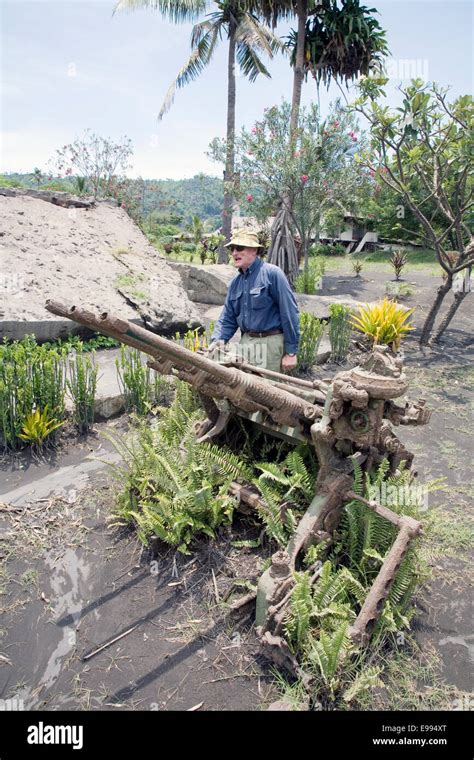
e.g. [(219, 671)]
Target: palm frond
[(249, 62), (196, 63), (176, 11)]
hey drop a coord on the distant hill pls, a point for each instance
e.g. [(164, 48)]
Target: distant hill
[(200, 195)]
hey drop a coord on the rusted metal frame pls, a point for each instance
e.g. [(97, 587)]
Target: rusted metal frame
[(236, 385), (408, 529), (310, 384)]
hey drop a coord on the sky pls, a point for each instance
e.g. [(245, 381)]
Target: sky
[(70, 65)]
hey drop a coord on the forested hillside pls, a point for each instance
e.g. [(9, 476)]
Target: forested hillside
[(169, 200)]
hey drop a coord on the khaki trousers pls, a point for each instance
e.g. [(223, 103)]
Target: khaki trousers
[(262, 352)]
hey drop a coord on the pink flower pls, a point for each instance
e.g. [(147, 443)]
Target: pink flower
[(304, 178), (354, 138), (250, 197), (254, 130), (336, 123)]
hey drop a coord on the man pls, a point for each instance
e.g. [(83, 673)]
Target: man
[(259, 301)]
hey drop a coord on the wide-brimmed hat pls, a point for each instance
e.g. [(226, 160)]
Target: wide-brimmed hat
[(247, 238)]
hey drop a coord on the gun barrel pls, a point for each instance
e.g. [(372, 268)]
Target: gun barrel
[(244, 390)]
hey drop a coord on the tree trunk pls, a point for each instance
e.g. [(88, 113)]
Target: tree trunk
[(230, 155), (282, 251), (443, 290), (302, 13), (458, 299)]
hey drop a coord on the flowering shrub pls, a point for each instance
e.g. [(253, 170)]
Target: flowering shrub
[(313, 175)]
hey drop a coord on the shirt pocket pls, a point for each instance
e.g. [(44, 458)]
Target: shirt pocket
[(236, 301), (260, 298)]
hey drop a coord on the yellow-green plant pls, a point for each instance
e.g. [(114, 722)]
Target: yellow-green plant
[(193, 340), (385, 323), (38, 426)]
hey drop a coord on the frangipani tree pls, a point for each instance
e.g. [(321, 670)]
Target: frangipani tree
[(310, 172), (428, 143)]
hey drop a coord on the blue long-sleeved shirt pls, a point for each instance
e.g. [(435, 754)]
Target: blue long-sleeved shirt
[(258, 300)]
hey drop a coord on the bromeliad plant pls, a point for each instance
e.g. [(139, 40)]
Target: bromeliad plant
[(385, 323), (38, 426), (398, 260)]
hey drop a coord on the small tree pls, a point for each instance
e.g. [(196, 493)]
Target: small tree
[(99, 160), (37, 176), (312, 175), (427, 143)]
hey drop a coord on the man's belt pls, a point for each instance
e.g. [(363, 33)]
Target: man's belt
[(264, 334)]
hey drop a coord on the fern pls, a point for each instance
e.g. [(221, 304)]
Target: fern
[(327, 655), (367, 679), (171, 486), (298, 623)]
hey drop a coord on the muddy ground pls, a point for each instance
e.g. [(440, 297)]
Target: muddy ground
[(71, 583)]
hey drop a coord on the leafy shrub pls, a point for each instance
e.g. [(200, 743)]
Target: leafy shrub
[(308, 280), (385, 323), (397, 290), (326, 249), (32, 377), (10, 182), (73, 342), (63, 187), (82, 386), (339, 331), (311, 332), (357, 267), (135, 380)]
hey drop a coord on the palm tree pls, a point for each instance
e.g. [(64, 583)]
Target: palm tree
[(330, 43), (247, 39)]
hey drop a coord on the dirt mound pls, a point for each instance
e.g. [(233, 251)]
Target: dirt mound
[(96, 257)]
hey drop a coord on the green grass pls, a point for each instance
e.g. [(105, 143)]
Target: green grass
[(421, 260), (132, 284)]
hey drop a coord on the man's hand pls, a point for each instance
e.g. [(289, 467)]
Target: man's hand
[(289, 361), (215, 347)]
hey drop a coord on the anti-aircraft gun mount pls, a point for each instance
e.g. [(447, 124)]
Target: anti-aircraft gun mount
[(347, 420)]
